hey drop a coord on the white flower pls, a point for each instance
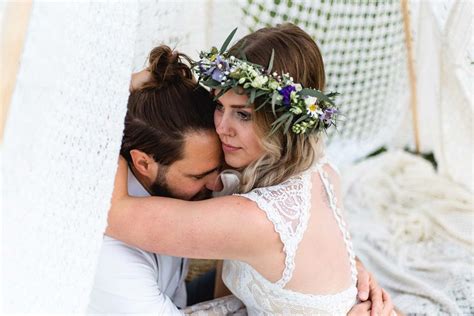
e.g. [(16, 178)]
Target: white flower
[(298, 87), (293, 96), (253, 72), (310, 100), (312, 108), (259, 81), (273, 85)]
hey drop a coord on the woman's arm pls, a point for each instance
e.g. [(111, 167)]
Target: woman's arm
[(222, 228)]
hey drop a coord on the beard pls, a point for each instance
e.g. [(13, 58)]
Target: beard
[(160, 188)]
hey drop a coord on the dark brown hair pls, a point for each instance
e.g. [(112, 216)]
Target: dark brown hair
[(166, 108)]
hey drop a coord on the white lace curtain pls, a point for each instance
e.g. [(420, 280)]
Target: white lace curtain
[(60, 151)]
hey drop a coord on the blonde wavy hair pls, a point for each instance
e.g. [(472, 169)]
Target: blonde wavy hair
[(287, 154)]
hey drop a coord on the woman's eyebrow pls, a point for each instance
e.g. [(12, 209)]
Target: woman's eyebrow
[(235, 106)]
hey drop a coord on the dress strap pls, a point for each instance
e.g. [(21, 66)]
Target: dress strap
[(324, 160), (338, 215), (287, 207)]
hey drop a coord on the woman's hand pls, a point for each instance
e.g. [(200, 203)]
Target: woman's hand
[(376, 300), (139, 79)]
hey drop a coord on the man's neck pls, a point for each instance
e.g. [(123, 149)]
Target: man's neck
[(141, 179)]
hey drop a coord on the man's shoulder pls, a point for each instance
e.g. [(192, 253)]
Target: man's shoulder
[(126, 282), (115, 253)]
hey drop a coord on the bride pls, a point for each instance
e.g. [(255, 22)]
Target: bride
[(286, 247)]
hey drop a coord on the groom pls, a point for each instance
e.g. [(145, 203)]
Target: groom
[(129, 280), (172, 149)]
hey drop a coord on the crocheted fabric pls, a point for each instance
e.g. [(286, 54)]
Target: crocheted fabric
[(412, 228), (364, 53), (60, 151)]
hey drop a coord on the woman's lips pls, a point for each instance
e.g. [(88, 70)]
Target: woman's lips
[(229, 148)]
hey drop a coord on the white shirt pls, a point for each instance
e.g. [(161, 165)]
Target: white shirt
[(130, 280)]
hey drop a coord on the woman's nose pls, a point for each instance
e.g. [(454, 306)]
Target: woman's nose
[(214, 183), (223, 127)]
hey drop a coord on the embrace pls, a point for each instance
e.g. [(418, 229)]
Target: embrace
[(223, 159)]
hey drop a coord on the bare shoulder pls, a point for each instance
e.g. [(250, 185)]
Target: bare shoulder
[(251, 224)]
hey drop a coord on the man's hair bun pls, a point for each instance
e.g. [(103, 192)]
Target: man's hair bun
[(169, 67)]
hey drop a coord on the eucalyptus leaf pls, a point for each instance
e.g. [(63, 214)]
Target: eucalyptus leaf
[(281, 109), (252, 95), (288, 125), (314, 93), (260, 93), (272, 131), (281, 118), (262, 105), (302, 118), (274, 97), (277, 124), (333, 94), (211, 83), (270, 64), (227, 41)]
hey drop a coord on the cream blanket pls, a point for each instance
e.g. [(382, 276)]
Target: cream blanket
[(414, 230)]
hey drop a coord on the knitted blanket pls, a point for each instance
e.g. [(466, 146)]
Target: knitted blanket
[(413, 229)]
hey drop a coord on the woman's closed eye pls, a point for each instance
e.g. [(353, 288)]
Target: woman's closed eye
[(244, 116)]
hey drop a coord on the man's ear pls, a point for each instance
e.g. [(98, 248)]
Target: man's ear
[(143, 163)]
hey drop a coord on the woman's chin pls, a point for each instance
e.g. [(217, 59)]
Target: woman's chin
[(235, 162)]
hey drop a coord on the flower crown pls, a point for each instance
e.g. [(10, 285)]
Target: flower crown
[(304, 110)]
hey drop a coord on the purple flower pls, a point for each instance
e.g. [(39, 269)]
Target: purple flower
[(218, 69), (201, 67), (327, 115), (217, 75), (286, 93)]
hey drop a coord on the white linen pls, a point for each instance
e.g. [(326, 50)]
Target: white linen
[(130, 280)]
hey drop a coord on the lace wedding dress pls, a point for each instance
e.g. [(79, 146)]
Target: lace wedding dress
[(288, 206)]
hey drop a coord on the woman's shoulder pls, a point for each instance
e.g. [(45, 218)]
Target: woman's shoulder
[(279, 189)]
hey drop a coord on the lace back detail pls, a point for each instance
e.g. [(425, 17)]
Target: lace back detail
[(287, 206), (337, 213)]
